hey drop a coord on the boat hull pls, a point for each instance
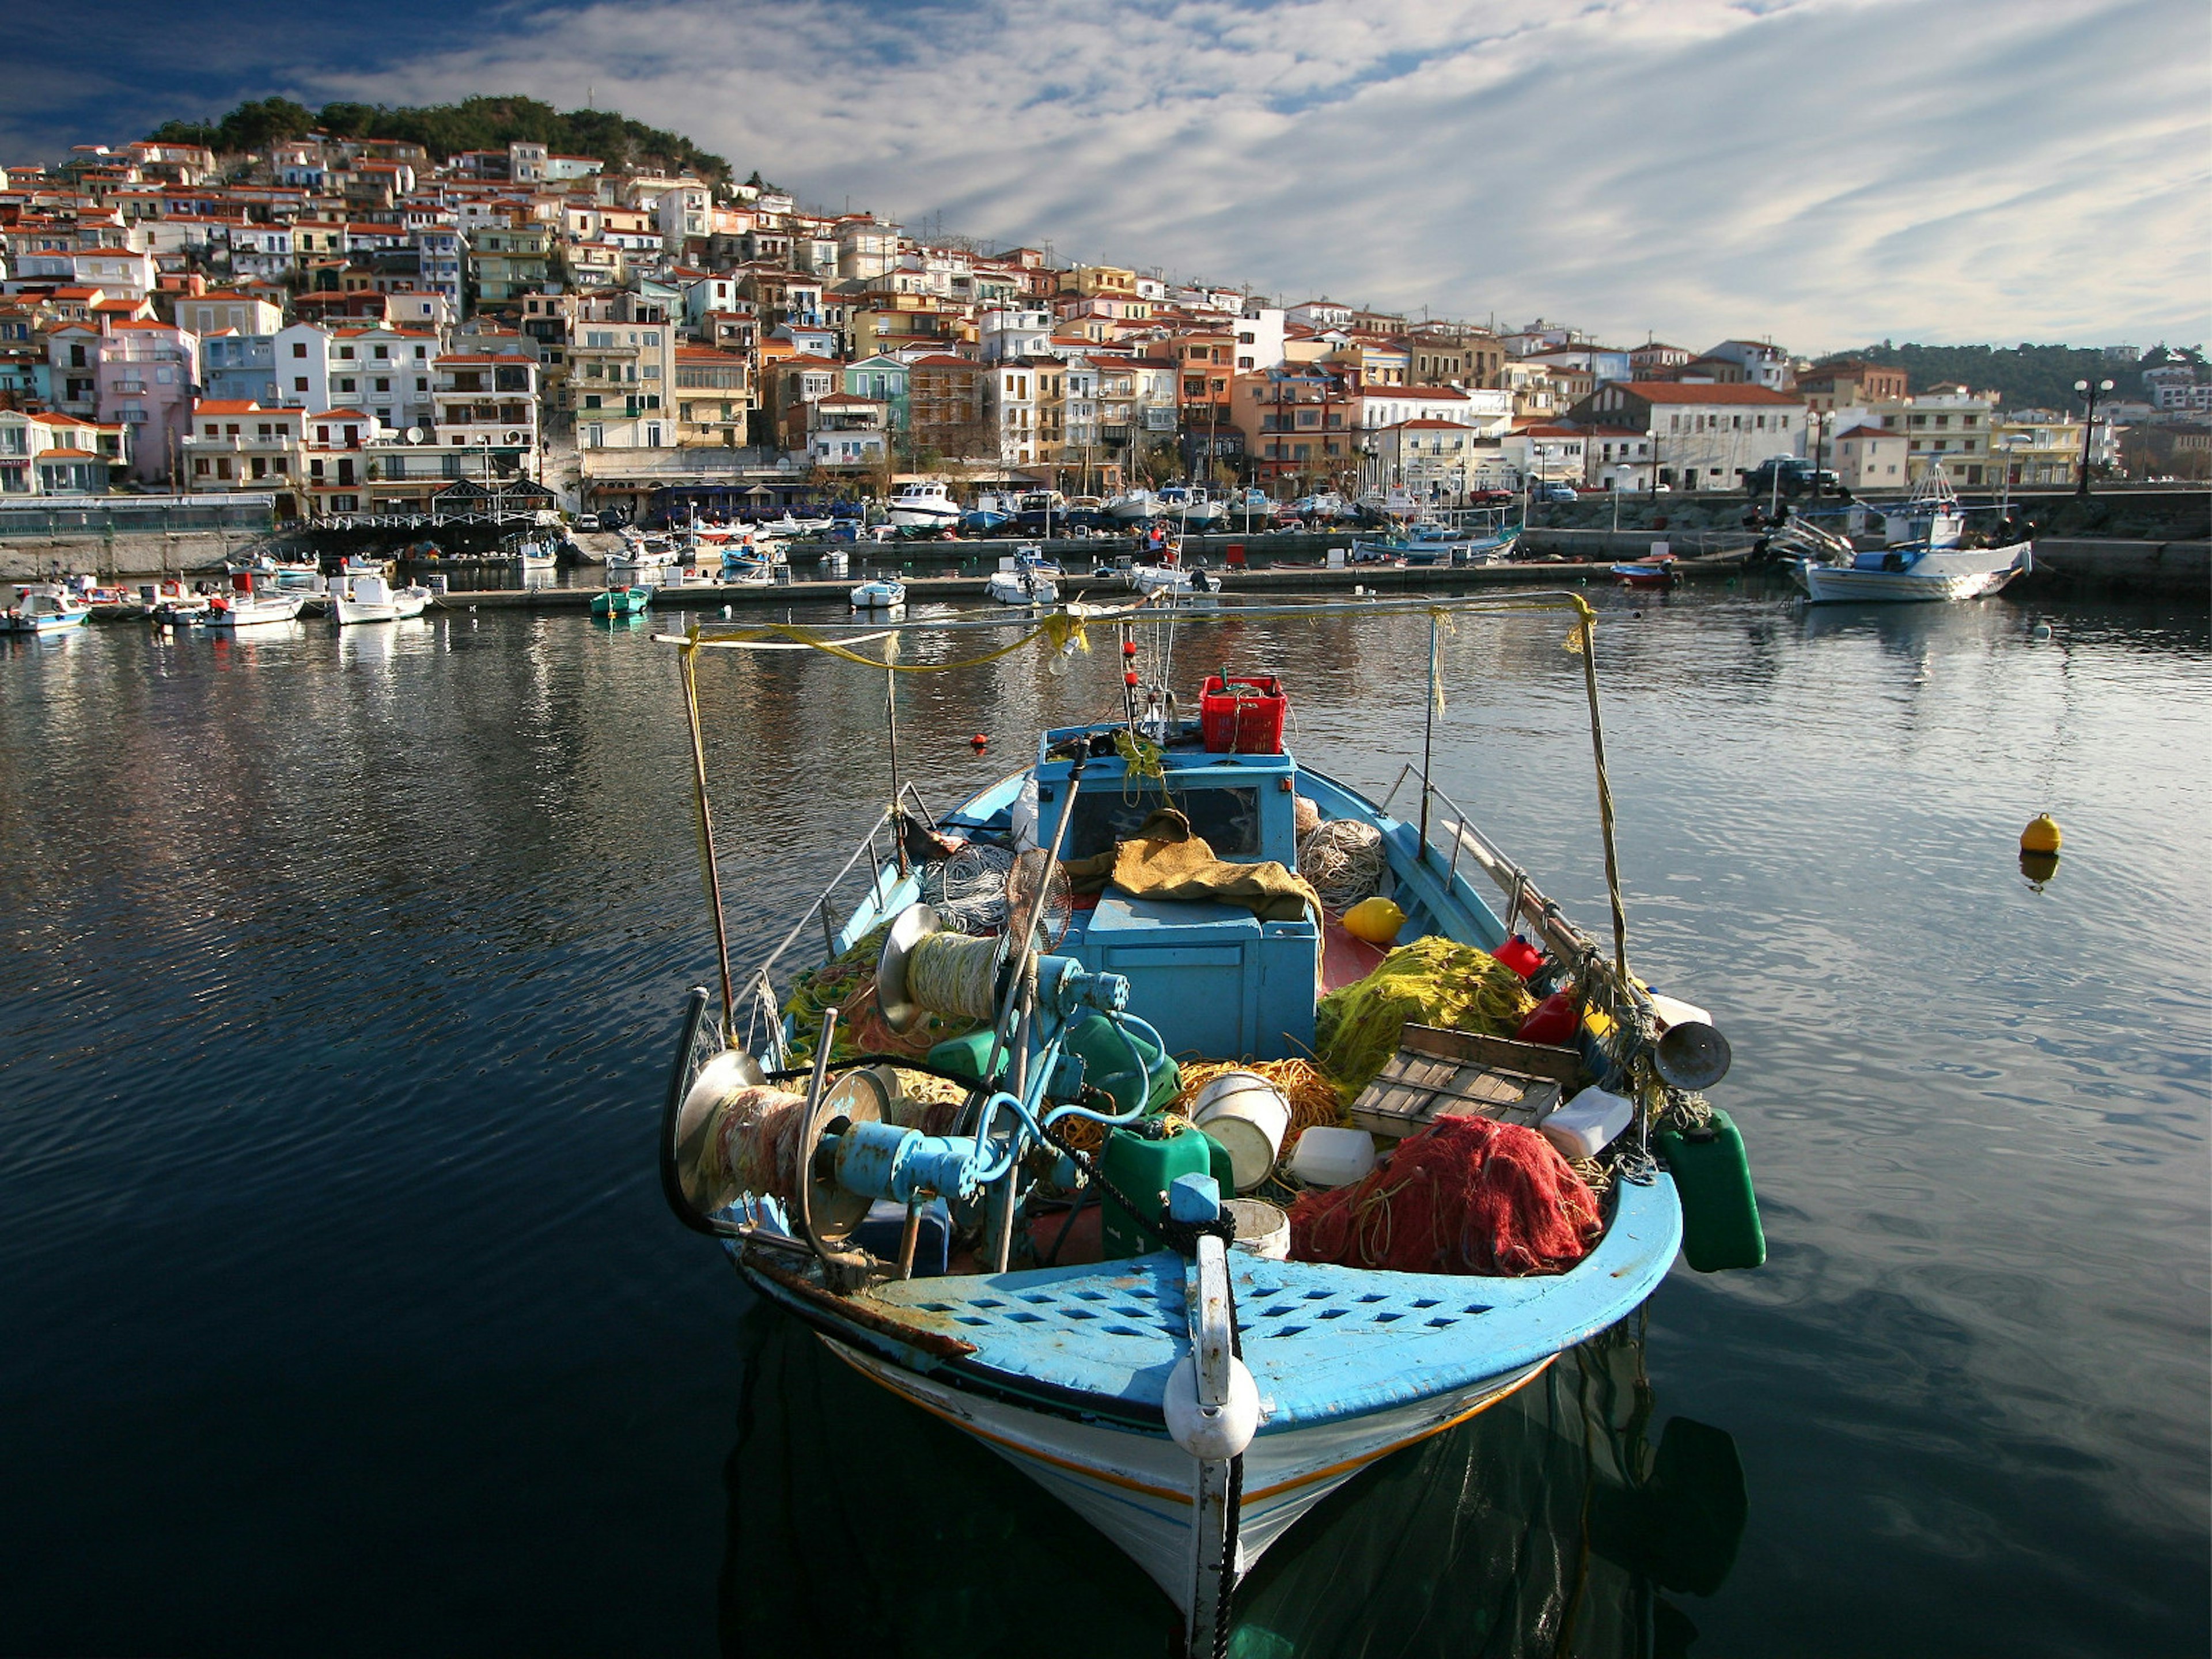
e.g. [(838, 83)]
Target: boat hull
[(357, 610), (253, 616), (1136, 1488), (44, 624), (940, 516)]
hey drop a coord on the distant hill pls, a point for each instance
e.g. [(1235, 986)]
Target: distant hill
[(481, 123), (2028, 376)]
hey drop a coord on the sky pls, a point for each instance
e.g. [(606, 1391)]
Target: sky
[(1822, 172)]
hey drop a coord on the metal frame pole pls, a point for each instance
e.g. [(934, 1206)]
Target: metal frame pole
[(710, 869)]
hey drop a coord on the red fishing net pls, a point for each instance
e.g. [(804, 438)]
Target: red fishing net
[(1467, 1195)]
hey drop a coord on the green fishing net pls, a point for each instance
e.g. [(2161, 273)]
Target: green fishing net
[(1431, 981)]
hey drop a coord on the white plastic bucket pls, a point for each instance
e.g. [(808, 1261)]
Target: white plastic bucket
[(1333, 1157), (1261, 1227), (1248, 1116)]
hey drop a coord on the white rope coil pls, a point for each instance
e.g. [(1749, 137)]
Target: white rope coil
[(951, 974), (968, 891), (1343, 860)]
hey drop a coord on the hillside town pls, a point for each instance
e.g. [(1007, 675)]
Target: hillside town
[(357, 326)]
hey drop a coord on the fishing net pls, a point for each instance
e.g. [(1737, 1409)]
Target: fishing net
[(755, 1147), (1431, 981), (1343, 860), (1467, 1195)]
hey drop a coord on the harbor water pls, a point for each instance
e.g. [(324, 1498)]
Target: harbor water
[(341, 1313)]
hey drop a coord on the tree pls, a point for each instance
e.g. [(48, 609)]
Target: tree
[(476, 123), (259, 124)]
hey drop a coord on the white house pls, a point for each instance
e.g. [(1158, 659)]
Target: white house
[(1010, 334), (1764, 362), (1260, 338), (1702, 436)]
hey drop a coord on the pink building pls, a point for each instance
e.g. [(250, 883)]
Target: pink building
[(149, 377)]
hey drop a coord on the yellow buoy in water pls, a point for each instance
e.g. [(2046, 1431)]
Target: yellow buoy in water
[(1375, 920), (2041, 835)]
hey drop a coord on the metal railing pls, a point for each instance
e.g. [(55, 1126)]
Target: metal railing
[(764, 1014)]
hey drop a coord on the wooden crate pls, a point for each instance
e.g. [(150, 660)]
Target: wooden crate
[(1440, 1073)]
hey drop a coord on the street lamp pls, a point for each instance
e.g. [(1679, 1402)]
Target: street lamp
[(2089, 428)]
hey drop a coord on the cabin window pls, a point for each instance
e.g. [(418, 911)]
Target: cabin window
[(1228, 819)]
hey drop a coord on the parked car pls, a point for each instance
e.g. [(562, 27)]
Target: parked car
[(1490, 497), (586, 522), (1553, 491), (1793, 473)]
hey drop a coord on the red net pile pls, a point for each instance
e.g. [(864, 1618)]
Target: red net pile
[(1467, 1195)]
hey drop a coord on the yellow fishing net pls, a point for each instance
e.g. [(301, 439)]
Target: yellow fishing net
[(1431, 981)]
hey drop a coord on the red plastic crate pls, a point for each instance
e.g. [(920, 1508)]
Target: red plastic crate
[(1249, 725)]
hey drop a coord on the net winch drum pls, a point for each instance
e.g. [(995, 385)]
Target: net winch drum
[(699, 1119), (829, 1211), (909, 928)]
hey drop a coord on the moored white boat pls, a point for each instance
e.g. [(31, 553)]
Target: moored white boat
[(1190, 1399), (1832, 570), (258, 609), (1013, 584), (879, 593), (44, 607), (1907, 574), (372, 598), (923, 502)]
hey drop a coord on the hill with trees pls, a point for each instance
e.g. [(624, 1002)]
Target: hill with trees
[(2028, 376), (444, 130)]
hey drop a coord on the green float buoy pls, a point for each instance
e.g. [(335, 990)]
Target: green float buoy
[(1720, 1212)]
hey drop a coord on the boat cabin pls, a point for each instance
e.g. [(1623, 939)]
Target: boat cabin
[(1212, 978)]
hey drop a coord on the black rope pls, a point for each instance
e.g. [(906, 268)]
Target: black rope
[(1223, 1625)]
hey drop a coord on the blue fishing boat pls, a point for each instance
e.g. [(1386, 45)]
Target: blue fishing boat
[(1188, 1396)]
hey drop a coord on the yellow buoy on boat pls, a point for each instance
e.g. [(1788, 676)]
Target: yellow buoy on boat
[(2041, 835), (1375, 920)]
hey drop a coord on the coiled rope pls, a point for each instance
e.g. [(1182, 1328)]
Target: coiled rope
[(968, 891), (951, 973), (1343, 860)]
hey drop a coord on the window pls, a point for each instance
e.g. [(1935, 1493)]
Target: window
[(382, 383), (345, 353)]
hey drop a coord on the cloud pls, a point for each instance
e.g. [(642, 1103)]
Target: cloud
[(1823, 171)]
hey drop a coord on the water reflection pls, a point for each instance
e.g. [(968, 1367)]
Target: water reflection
[(1553, 1523)]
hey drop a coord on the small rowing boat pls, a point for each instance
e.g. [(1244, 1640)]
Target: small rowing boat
[(621, 601), (879, 593)]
